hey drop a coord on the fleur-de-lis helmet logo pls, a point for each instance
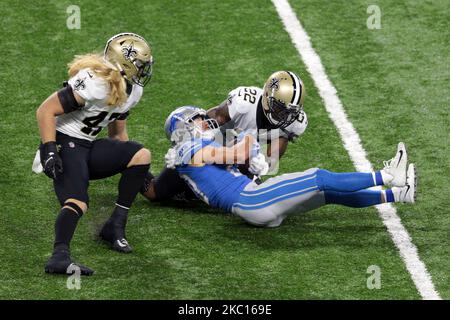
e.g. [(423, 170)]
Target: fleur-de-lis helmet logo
[(274, 84), (129, 52)]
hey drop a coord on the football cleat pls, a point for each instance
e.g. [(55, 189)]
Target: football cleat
[(118, 243), (122, 245), (408, 193), (61, 263), (396, 167)]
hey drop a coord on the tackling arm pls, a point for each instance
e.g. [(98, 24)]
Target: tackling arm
[(220, 113), (236, 154)]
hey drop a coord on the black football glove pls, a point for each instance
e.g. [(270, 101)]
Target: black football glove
[(50, 160)]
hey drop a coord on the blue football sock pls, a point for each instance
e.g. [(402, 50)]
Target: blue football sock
[(357, 199), (344, 182), (389, 195)]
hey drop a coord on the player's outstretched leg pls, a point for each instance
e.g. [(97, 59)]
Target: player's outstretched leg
[(393, 174), (129, 185), (366, 198), (65, 225)]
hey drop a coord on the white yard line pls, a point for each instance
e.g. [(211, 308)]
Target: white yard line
[(352, 144)]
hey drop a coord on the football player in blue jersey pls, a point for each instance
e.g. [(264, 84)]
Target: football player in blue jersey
[(209, 168)]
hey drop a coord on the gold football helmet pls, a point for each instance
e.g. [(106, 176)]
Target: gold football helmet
[(131, 55), (282, 98)]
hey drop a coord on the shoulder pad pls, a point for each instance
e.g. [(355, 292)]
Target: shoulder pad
[(242, 100), (89, 86)]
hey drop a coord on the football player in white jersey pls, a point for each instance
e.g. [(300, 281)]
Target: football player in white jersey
[(276, 111), (100, 93)]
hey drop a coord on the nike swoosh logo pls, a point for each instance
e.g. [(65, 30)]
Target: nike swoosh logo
[(51, 158), (399, 159), (90, 75), (407, 190), (122, 245)]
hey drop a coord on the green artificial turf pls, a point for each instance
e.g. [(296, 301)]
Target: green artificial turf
[(393, 83)]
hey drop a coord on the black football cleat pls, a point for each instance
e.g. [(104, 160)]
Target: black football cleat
[(117, 242), (122, 245), (61, 263)]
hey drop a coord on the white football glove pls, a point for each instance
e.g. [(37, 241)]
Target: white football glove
[(258, 165), (171, 158)]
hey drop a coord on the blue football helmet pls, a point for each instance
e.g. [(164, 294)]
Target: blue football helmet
[(180, 125)]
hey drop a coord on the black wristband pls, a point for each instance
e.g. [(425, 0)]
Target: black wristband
[(49, 146)]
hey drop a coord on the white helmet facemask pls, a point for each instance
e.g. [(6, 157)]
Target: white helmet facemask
[(208, 134)]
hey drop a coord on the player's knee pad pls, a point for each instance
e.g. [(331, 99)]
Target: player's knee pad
[(75, 207)]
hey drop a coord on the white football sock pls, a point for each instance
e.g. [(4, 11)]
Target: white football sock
[(396, 193), (386, 177)]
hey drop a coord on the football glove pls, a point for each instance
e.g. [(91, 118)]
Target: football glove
[(50, 160), (170, 158), (258, 165)]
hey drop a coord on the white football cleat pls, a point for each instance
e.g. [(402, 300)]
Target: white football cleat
[(396, 167), (408, 193)]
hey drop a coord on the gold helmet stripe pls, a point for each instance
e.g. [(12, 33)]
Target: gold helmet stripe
[(297, 89)]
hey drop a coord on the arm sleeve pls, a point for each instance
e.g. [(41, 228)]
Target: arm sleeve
[(67, 99), (123, 116)]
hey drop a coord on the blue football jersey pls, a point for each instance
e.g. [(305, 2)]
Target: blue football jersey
[(217, 185)]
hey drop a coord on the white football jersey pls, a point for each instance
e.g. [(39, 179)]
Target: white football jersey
[(242, 108), (87, 122)]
